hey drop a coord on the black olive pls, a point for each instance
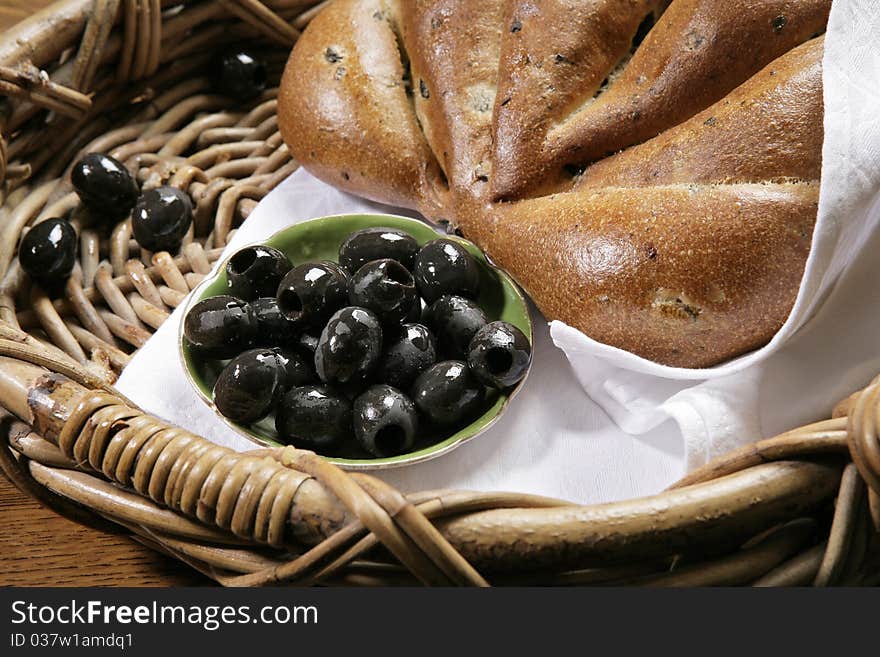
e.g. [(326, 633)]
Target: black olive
[(455, 321), (48, 252), (104, 185), (256, 271), (313, 417), (386, 288), (369, 244), (499, 354), (249, 386), (443, 267), (241, 75), (313, 291), (448, 393), (161, 218), (274, 328), (412, 352), (349, 347), (220, 327), (415, 313), (385, 421), (297, 370)]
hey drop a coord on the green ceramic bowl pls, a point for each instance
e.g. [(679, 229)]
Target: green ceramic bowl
[(319, 239)]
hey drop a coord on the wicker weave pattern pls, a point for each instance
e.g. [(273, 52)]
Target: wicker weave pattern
[(127, 77)]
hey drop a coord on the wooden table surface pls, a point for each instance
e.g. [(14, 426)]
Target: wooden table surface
[(38, 547)]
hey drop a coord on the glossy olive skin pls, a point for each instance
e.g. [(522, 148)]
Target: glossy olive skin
[(241, 75), (256, 271), (369, 244), (385, 421), (387, 288), (311, 292), (410, 353), (307, 344), (444, 267), (314, 417), (161, 218), (499, 355), (249, 386), (273, 326), (48, 252), (220, 327), (349, 347), (454, 320), (104, 185), (448, 393), (296, 370)]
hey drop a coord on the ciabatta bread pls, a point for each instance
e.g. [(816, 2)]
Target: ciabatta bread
[(499, 116)]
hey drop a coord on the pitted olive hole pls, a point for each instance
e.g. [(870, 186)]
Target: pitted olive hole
[(390, 440), (498, 360), (243, 260), (399, 274), (290, 303), (261, 76)]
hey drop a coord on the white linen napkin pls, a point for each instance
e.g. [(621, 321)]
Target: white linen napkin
[(640, 425)]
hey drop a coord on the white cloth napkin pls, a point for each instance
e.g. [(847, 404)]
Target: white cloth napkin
[(632, 427)]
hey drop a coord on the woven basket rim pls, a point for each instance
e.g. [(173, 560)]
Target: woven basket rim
[(77, 441)]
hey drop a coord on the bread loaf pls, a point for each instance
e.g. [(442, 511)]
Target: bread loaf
[(507, 118)]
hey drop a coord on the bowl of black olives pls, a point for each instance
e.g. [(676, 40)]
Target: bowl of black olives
[(368, 339)]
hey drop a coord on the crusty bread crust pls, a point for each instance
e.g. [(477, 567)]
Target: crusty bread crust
[(770, 128), (555, 57), (685, 275), (345, 112), (454, 95), (699, 51), (687, 249)]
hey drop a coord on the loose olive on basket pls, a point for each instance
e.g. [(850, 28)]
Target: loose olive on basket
[(344, 356), (104, 186), (241, 74), (47, 252), (160, 218)]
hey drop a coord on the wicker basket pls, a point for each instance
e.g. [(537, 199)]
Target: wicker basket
[(129, 78)]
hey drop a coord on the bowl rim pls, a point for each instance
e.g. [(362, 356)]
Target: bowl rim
[(356, 465)]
